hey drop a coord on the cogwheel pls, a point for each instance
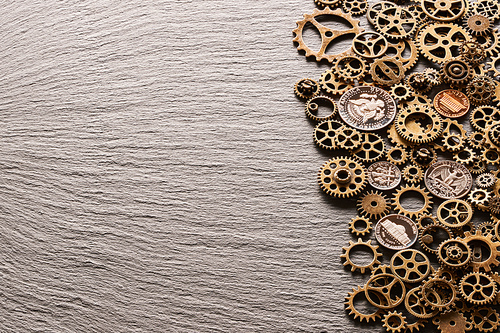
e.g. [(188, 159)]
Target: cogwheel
[(480, 198), (439, 293), (454, 213), (327, 35), (432, 75), (493, 65), (452, 321), (410, 265), (389, 22), (416, 306), (476, 140), (440, 42), (313, 107), (423, 156), (333, 84), (360, 226), (415, 189), (444, 11), (481, 90), (372, 148), (306, 88), (413, 174), (396, 139), (494, 204), (493, 135), (342, 177), (348, 138), (494, 48), (485, 319), (325, 134), (418, 13), (355, 7), (394, 321), (477, 167), (477, 24), (472, 52), (376, 8), (432, 236), (454, 254), (418, 82), (453, 142), (416, 99), (387, 71), (491, 156), (466, 156), (350, 68), (401, 92), (369, 44), (456, 72), (357, 314), (397, 155), (486, 180), (415, 326), (478, 288), (361, 245), (484, 260), (373, 204), (489, 8), (487, 228), (409, 124), (425, 220), (404, 51), (483, 116)]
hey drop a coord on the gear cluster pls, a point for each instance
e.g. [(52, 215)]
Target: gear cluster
[(417, 151)]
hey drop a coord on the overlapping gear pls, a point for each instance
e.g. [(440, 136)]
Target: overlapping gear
[(423, 147)]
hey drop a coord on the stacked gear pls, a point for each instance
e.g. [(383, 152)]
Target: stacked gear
[(391, 140)]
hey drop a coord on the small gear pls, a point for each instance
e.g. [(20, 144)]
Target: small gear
[(369, 44), (333, 84), (477, 167), (486, 180), (350, 68), (466, 156), (354, 226), (493, 137), (397, 155), (416, 99), (485, 319), (481, 90), (476, 140), (395, 22), (483, 116), (486, 228), (412, 189), (432, 236), (456, 72), (418, 13), (440, 42), (454, 254), (418, 82), (494, 48), (416, 306), (325, 134), (480, 198), (355, 7), (357, 314), (327, 3), (306, 88), (372, 148), (425, 220), (454, 213), (373, 204), (401, 92), (314, 105), (387, 71), (363, 245), (478, 24), (413, 174), (342, 177), (472, 52), (423, 156), (410, 124), (491, 156), (394, 321), (478, 288), (348, 138), (432, 75), (453, 142)]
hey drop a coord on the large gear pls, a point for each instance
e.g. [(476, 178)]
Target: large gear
[(376, 8), (360, 244), (410, 265), (327, 35), (445, 11), (342, 177), (373, 204), (349, 302), (440, 42), (418, 124), (485, 251), (424, 194), (439, 293), (395, 22), (416, 306)]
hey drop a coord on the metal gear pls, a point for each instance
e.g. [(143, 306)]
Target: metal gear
[(394, 321), (306, 88), (485, 319), (418, 82), (480, 198), (416, 306), (410, 265), (472, 52), (369, 45), (489, 8), (456, 72), (494, 65), (440, 42), (333, 84), (494, 48), (356, 229), (483, 116), (348, 138), (484, 251), (376, 8), (360, 244), (372, 148), (395, 22), (477, 167), (454, 213), (425, 220), (349, 302), (387, 71), (454, 254), (491, 156), (476, 140), (395, 138), (481, 90), (418, 124), (451, 322), (342, 177), (397, 155), (445, 11), (355, 7), (325, 134), (466, 156), (453, 142), (432, 236), (423, 156), (439, 293), (405, 51), (327, 3), (373, 204), (415, 189), (401, 92), (486, 180), (388, 288), (487, 227), (432, 75), (494, 205), (350, 68), (413, 174), (478, 288), (478, 24), (313, 107)]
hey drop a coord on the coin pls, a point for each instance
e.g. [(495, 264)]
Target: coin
[(448, 180), (451, 103), (383, 175), (367, 108), (396, 232)]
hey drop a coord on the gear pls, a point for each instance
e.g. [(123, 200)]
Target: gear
[(432, 236), (454, 213), (413, 174), (432, 76), (418, 124), (478, 288), (425, 220), (493, 65), (486, 180), (313, 107), (365, 228), (376, 8), (477, 167), (369, 44), (483, 116), (466, 156), (388, 288), (478, 24), (325, 134), (423, 156), (327, 35), (485, 319), (493, 137), (484, 251), (333, 84), (454, 254), (472, 52), (416, 306), (451, 322), (348, 138), (476, 140), (399, 50), (453, 142), (410, 265), (373, 204), (395, 22), (397, 155), (394, 321), (306, 88), (396, 139), (355, 7), (418, 13), (456, 72), (440, 42), (480, 198), (415, 189), (329, 3), (418, 82), (363, 245), (491, 156), (439, 293), (481, 90), (487, 228), (350, 68), (372, 148), (357, 314), (488, 8), (387, 71), (445, 11), (401, 92), (342, 177)]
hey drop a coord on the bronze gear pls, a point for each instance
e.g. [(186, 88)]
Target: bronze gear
[(477, 242), (395, 22), (387, 71), (472, 52), (425, 220), (360, 231), (431, 237), (342, 177), (401, 92), (333, 84), (418, 82), (408, 124), (439, 293), (325, 134), (329, 3), (489, 8), (360, 244), (491, 156), (416, 306), (494, 205), (487, 227), (410, 265), (493, 65), (327, 35), (478, 24), (486, 180), (456, 72), (485, 319), (394, 321), (355, 7), (369, 44), (313, 106), (306, 88), (454, 253), (398, 49), (390, 290), (373, 205), (432, 75), (397, 155), (483, 116), (477, 167), (395, 138), (454, 213), (376, 8), (381, 269), (372, 148), (445, 11), (478, 288), (453, 142), (465, 156), (412, 213), (350, 68), (476, 140), (423, 156), (452, 322), (480, 198), (481, 90), (415, 326), (357, 314), (348, 137), (413, 174), (440, 42)]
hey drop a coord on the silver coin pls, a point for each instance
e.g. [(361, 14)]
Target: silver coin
[(383, 175), (396, 232), (448, 180), (367, 108)]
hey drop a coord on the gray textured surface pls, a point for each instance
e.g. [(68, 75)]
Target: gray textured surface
[(158, 174)]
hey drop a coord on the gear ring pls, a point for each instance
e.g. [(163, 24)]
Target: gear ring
[(342, 177), (373, 204), (408, 125), (412, 213), (360, 244), (454, 213), (356, 229)]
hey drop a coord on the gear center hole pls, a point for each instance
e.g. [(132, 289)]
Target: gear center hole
[(412, 201)]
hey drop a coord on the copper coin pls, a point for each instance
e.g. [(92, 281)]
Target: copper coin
[(448, 180), (396, 232), (451, 103)]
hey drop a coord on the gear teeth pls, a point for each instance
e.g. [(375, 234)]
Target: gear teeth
[(362, 268)]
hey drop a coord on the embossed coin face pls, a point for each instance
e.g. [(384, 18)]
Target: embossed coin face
[(367, 108), (396, 232), (451, 103), (383, 175), (448, 180)]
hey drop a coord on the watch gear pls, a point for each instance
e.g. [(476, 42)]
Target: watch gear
[(433, 76), (404, 51), (491, 156), (423, 156), (477, 167), (413, 174), (365, 228), (409, 124), (487, 228), (313, 107), (415, 189), (372, 148), (358, 314), (465, 156), (472, 52), (453, 142), (396, 139), (478, 288), (342, 177), (425, 220), (494, 66), (306, 88), (394, 321), (478, 24), (456, 72), (416, 306), (486, 180), (388, 288), (489, 8), (376, 8), (401, 92), (485, 319), (494, 205), (480, 198), (454, 254), (451, 322), (363, 245), (432, 236), (418, 82), (440, 42), (348, 137), (481, 90), (373, 204), (454, 213), (325, 134), (483, 116), (325, 3), (439, 293), (397, 155)]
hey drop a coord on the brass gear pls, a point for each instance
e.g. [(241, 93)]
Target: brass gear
[(348, 138), (350, 68), (430, 238), (493, 65), (396, 139), (325, 134), (372, 148), (483, 116), (494, 48), (373, 205), (453, 142), (451, 322), (485, 319), (369, 44), (306, 88), (355, 7), (408, 124), (472, 52), (423, 156), (454, 254), (397, 155), (387, 71), (476, 140), (494, 205), (327, 35), (493, 135), (491, 156), (477, 167), (432, 75), (413, 174), (399, 50), (477, 242), (394, 321), (390, 290), (455, 213), (418, 82), (376, 8), (439, 293), (360, 244), (445, 11), (354, 226), (395, 22), (401, 92), (416, 99), (456, 72), (410, 265), (478, 288), (425, 220), (416, 306), (412, 213), (357, 314), (481, 90), (478, 24), (480, 198), (440, 42), (486, 180), (487, 227), (489, 8), (313, 106), (342, 177), (333, 84)]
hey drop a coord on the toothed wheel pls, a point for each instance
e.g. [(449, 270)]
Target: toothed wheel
[(355, 7), (357, 313), (361, 245), (360, 226), (478, 288), (413, 174), (440, 42), (394, 321), (445, 11), (373, 204), (325, 134), (342, 177), (372, 148), (398, 207), (418, 124), (486, 180)]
